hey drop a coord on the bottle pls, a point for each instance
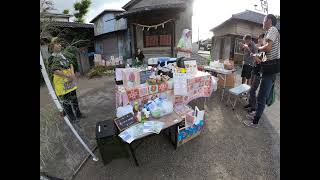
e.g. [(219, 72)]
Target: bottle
[(139, 116), (136, 107)]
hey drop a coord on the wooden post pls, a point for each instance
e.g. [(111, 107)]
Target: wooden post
[(79, 63), (134, 38), (173, 38), (84, 60)]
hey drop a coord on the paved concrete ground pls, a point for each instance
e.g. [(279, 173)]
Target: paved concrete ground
[(225, 150), (60, 152)]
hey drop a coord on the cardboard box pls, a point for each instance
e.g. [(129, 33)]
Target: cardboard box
[(230, 81)]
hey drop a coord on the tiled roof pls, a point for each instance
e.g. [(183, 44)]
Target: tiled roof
[(105, 11), (56, 15), (150, 8), (72, 24), (250, 16)]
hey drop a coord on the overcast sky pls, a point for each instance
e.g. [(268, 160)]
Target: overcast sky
[(206, 13)]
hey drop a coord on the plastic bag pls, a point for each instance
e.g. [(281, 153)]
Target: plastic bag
[(160, 108), (215, 64), (121, 111), (214, 83)]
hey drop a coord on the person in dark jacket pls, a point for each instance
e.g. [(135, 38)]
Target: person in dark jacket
[(138, 57), (255, 77)]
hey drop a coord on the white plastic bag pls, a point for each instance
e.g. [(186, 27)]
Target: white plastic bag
[(161, 108), (214, 82), (199, 115), (123, 110), (167, 107)]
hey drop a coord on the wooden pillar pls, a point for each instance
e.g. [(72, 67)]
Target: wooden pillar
[(173, 38), (83, 61), (134, 39)]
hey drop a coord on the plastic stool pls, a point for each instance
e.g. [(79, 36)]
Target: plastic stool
[(237, 91)]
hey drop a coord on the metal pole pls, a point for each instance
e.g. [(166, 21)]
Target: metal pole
[(198, 38), (56, 101)]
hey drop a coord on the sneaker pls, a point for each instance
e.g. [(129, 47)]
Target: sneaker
[(247, 106), (249, 123), (251, 115)]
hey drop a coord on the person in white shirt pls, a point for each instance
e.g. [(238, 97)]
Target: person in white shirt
[(269, 68), (184, 47)]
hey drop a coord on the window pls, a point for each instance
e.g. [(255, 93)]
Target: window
[(160, 37), (237, 49)]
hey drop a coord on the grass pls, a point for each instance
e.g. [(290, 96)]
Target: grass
[(50, 134)]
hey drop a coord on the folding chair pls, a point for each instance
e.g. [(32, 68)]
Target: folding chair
[(237, 92)]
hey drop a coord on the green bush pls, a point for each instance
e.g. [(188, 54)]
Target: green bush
[(71, 54), (101, 70)]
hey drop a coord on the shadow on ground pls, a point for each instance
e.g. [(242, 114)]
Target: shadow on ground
[(61, 154), (225, 150)]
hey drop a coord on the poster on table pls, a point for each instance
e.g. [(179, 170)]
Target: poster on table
[(191, 66), (180, 86)]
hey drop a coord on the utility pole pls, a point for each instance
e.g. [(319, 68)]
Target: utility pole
[(198, 38), (264, 6)]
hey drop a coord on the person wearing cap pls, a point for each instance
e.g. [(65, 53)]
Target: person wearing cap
[(64, 81), (184, 47)]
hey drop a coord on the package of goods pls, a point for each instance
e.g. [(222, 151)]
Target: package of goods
[(230, 80), (144, 75), (170, 84), (153, 89), (97, 59), (191, 66), (164, 61), (160, 108), (131, 77), (216, 64), (119, 74), (143, 90), (133, 93), (123, 110), (163, 87), (229, 65), (152, 61), (165, 71)]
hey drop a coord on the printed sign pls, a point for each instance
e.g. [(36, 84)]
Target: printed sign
[(125, 121)]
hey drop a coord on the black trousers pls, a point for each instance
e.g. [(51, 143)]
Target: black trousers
[(70, 101)]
